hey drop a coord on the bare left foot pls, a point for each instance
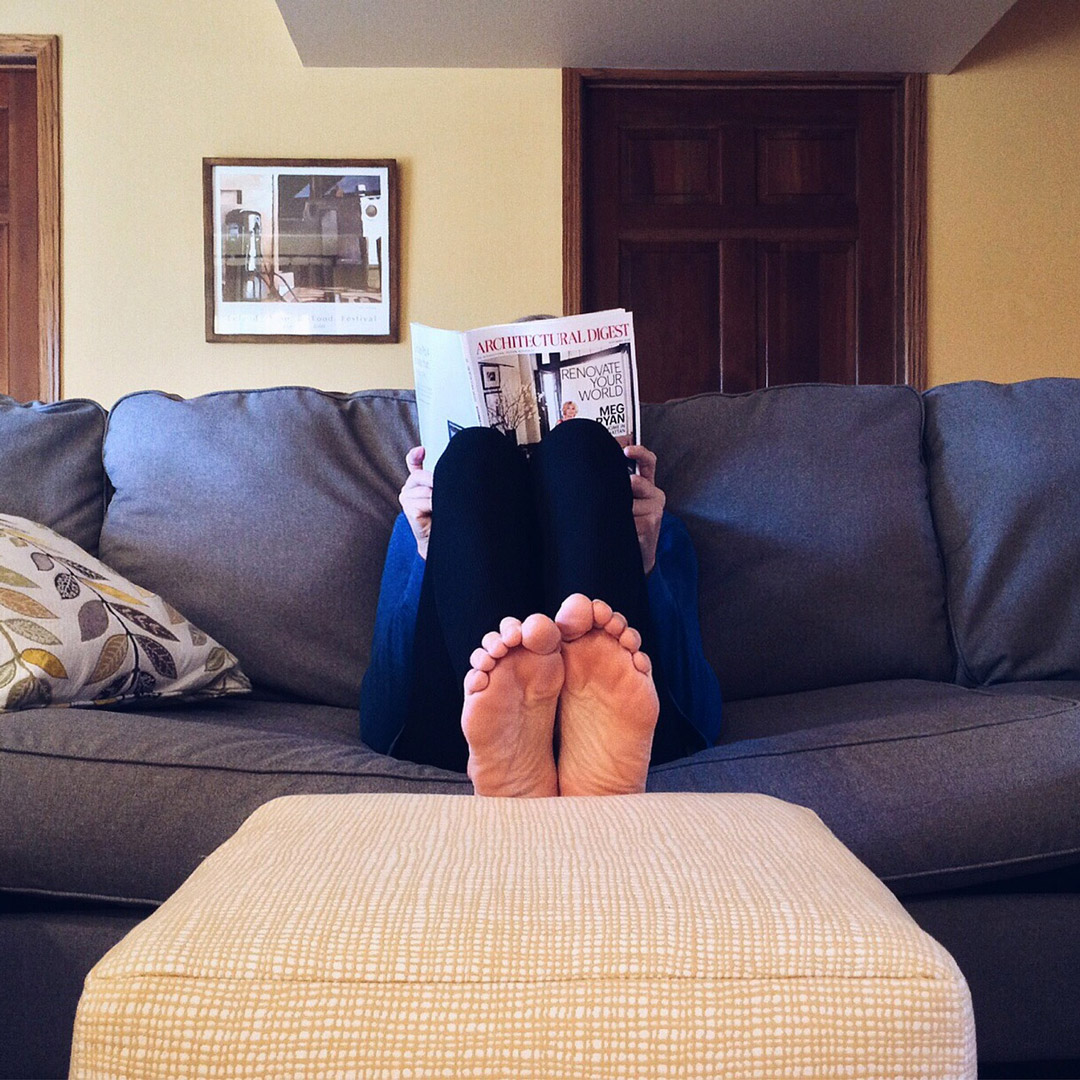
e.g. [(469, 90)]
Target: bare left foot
[(608, 706), (509, 715)]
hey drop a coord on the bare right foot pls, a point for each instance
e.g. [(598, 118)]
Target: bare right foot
[(608, 707), (509, 715)]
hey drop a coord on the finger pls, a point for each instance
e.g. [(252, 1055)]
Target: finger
[(418, 496), (645, 458), (420, 480), (415, 458), (651, 501), (418, 515)]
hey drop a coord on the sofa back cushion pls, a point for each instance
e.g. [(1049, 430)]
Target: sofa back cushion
[(808, 507), (1005, 484), (263, 515), (50, 466)]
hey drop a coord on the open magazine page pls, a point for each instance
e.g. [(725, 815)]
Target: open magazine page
[(534, 375), (445, 399)]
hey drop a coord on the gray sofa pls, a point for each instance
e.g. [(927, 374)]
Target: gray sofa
[(889, 593)]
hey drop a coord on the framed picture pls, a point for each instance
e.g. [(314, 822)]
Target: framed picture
[(301, 250)]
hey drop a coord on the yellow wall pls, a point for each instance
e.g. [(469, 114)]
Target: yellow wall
[(150, 88), (1004, 202)]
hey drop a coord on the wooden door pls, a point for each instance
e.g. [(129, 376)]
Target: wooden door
[(18, 234), (29, 218), (755, 226)]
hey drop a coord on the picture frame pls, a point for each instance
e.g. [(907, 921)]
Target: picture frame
[(301, 250)]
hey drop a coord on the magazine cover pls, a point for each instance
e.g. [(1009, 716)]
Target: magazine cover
[(533, 375), (527, 377)]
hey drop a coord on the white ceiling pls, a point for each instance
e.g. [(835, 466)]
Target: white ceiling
[(733, 35)]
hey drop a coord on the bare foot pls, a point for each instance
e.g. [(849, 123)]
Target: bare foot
[(509, 713), (608, 706)]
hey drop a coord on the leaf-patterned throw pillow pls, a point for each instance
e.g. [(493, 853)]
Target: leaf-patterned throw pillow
[(74, 632)]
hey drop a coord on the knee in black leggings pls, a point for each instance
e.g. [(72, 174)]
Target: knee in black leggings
[(584, 440), (473, 447), (481, 472)]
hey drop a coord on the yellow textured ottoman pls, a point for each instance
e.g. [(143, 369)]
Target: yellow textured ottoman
[(678, 935)]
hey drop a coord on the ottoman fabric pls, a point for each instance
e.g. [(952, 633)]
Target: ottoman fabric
[(673, 935)]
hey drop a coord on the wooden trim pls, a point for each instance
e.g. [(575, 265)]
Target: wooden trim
[(573, 255), (765, 80), (914, 215), (912, 248), (43, 52)]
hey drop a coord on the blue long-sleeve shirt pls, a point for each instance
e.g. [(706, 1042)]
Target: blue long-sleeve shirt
[(676, 646)]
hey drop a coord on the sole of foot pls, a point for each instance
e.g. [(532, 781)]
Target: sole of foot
[(511, 694), (608, 705)]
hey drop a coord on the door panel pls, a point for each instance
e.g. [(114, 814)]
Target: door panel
[(676, 166), (671, 289), (806, 297), (804, 165), (755, 230), (30, 213), (741, 366), (5, 321), (19, 224)]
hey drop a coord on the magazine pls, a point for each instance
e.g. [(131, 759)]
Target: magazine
[(527, 377)]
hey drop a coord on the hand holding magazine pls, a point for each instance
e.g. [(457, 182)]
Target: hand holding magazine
[(526, 377)]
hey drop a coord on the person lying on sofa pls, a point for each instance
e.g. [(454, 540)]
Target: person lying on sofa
[(534, 603)]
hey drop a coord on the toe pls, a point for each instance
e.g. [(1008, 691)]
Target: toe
[(601, 613), (616, 624), (481, 660), (630, 639), (540, 635), (510, 631), (475, 681), (575, 616), (642, 662), (493, 644)]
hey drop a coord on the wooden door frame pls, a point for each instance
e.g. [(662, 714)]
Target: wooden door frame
[(912, 217), (41, 52)]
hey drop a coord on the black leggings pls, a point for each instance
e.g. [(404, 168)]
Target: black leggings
[(514, 535)]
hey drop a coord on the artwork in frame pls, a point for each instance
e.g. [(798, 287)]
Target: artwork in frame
[(301, 250)]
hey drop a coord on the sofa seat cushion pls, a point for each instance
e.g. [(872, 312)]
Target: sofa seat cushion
[(932, 785), (1005, 482), (124, 805), (809, 510), (50, 462), (1069, 689), (405, 935), (263, 515)]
